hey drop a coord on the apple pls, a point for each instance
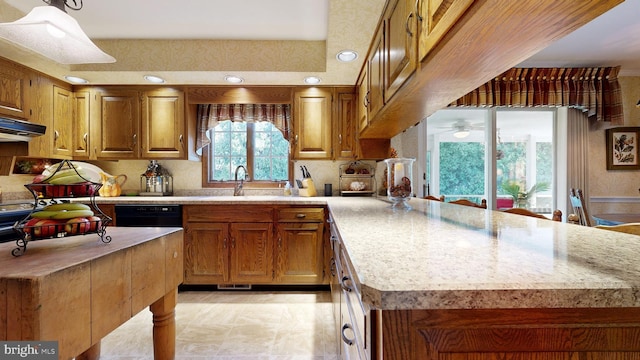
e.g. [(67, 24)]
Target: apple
[(95, 223), (78, 225), (46, 227), (29, 225), (82, 189)]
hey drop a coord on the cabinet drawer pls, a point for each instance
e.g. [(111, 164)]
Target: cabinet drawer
[(227, 213), (301, 215)]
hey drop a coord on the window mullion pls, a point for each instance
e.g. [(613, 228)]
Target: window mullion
[(250, 149)]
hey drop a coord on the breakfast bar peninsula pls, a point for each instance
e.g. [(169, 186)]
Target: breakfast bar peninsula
[(444, 281)]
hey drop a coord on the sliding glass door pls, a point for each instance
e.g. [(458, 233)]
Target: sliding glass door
[(503, 156)]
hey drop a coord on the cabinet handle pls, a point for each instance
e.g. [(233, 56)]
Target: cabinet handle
[(181, 140), (366, 99), (224, 243), (233, 243), (340, 139), (301, 216), (407, 24), (279, 243), (418, 16), (135, 139), (56, 135), (343, 284), (333, 267), (345, 339), (295, 140), (84, 138)]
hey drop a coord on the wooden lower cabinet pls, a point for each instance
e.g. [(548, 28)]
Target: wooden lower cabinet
[(237, 245), (300, 246)]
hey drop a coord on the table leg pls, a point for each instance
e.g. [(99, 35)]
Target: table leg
[(164, 326), (93, 353)]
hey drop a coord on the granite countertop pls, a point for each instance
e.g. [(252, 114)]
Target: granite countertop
[(444, 256), (202, 200)]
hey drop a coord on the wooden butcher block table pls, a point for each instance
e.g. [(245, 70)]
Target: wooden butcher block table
[(77, 289)]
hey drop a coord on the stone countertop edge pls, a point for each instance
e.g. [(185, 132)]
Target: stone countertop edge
[(445, 256)]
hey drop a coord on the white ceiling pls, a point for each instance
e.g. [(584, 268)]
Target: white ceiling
[(610, 40)]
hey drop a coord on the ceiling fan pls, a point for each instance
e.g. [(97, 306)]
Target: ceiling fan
[(462, 128)]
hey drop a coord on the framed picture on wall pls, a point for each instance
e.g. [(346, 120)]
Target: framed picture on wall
[(622, 148)]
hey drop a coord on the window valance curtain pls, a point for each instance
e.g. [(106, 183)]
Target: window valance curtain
[(595, 91), (209, 115)]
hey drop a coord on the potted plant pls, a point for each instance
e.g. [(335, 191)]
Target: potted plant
[(521, 198)]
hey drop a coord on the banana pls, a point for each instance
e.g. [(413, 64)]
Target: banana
[(44, 214), (67, 179), (66, 206), (69, 214)]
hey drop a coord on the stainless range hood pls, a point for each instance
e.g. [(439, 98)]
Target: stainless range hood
[(19, 130)]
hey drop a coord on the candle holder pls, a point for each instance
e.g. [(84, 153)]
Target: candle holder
[(399, 183)]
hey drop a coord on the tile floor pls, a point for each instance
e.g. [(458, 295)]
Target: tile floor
[(243, 325)]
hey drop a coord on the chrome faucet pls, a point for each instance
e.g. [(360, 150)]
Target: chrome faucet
[(237, 189)]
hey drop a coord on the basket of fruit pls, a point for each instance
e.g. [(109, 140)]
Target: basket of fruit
[(60, 218)]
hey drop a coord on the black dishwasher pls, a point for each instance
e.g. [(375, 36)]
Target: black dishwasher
[(132, 215)]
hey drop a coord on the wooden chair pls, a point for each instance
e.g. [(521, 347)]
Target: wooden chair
[(431, 197), (577, 202), (466, 202), (629, 228), (557, 214)]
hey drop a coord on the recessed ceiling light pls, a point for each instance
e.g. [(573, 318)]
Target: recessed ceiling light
[(75, 79), (347, 55), (312, 80), (154, 79), (234, 79)]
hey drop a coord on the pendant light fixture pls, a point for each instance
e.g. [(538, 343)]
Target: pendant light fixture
[(50, 31)]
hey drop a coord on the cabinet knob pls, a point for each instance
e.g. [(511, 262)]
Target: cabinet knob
[(407, 25), (343, 284), (345, 339)]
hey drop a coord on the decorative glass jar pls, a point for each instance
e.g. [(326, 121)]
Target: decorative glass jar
[(399, 181)]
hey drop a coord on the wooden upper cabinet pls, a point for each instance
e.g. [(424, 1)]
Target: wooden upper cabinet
[(401, 41), (118, 132), (81, 125), (344, 140), (163, 126), (14, 90), (62, 122), (312, 123), (438, 16)]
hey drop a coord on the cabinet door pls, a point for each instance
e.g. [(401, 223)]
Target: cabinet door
[(312, 124), (251, 253), (400, 45), (62, 122), (119, 125), (363, 98), (206, 253), (376, 75), (438, 16), (300, 255), (163, 124), (81, 125), (14, 90), (345, 139)]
